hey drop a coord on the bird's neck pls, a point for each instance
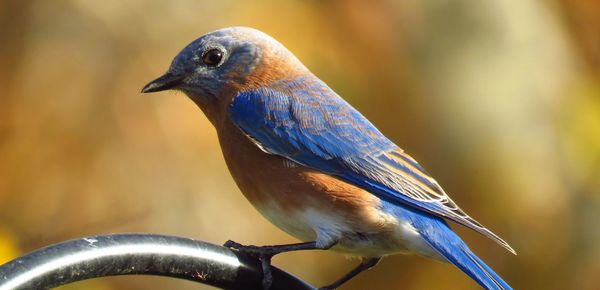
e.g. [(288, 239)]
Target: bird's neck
[(269, 71), (214, 108)]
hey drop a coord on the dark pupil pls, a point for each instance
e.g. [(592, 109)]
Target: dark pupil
[(212, 57)]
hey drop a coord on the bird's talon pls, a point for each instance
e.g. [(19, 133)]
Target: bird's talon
[(251, 250), (232, 245), (265, 261)]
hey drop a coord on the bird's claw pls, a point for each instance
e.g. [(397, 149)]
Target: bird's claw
[(232, 245), (267, 280), (264, 254), (257, 251)]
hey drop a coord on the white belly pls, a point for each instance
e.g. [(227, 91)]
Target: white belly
[(392, 236)]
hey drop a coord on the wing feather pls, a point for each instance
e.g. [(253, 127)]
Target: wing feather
[(305, 121)]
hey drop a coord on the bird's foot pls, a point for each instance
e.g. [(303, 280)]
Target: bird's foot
[(252, 250), (264, 254)]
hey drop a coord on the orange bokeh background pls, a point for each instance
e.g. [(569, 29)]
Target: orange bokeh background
[(499, 100)]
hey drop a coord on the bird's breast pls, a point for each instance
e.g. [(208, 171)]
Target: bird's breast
[(311, 205), (282, 189)]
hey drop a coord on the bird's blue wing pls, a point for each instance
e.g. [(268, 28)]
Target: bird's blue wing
[(305, 121)]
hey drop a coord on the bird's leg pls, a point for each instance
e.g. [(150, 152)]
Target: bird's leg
[(364, 265), (275, 249), (265, 253)]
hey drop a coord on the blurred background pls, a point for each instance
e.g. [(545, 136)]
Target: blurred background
[(499, 100)]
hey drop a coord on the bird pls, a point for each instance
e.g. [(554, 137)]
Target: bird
[(312, 164)]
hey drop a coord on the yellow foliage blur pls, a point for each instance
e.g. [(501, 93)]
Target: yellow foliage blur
[(8, 246)]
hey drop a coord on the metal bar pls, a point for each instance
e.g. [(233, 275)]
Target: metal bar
[(140, 254)]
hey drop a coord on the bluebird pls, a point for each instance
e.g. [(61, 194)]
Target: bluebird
[(312, 164)]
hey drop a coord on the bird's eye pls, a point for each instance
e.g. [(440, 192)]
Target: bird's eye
[(212, 57)]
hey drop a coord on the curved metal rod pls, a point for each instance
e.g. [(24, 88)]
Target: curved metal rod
[(135, 254)]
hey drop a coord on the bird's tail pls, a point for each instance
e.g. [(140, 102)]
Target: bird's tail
[(454, 249)]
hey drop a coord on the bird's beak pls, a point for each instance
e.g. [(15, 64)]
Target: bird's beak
[(164, 82)]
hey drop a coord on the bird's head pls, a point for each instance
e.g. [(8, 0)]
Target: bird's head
[(224, 62)]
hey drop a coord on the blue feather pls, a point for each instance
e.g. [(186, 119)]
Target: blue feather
[(441, 237), (305, 121)]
